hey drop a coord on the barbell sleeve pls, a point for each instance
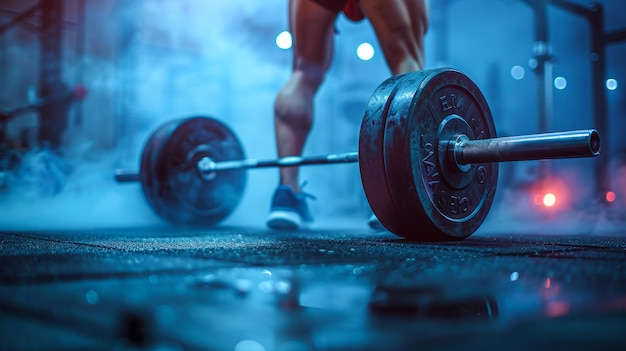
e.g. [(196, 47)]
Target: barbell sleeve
[(579, 143)]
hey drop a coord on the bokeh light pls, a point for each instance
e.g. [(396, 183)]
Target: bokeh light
[(549, 200), (518, 72), (283, 40), (560, 83), (611, 84), (365, 51), (610, 196)]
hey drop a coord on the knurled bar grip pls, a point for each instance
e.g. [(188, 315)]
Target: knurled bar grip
[(205, 165), (288, 161)]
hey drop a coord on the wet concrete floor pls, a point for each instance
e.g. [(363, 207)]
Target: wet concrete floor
[(166, 288)]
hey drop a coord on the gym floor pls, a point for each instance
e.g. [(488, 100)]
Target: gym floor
[(239, 288)]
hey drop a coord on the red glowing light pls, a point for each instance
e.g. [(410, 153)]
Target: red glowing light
[(548, 283), (538, 200), (557, 308), (551, 194), (610, 196), (549, 199)]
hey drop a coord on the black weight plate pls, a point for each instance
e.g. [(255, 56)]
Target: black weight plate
[(172, 184), (436, 206)]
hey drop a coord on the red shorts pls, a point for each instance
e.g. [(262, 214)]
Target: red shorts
[(350, 8)]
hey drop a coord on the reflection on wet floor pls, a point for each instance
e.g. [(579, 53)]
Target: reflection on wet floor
[(230, 290)]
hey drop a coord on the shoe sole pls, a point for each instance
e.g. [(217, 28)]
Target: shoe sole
[(285, 220)]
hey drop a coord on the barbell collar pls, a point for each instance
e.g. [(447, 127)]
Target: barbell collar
[(126, 175), (578, 143)]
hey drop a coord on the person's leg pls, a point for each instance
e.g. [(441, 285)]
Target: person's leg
[(400, 26), (312, 29)]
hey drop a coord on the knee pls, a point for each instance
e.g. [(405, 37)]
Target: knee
[(293, 106), (404, 57), (408, 64)]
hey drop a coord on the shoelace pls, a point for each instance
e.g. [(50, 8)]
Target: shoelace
[(305, 194)]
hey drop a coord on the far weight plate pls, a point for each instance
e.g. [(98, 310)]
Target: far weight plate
[(171, 181)]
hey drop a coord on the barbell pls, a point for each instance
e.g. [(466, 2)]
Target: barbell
[(428, 156)]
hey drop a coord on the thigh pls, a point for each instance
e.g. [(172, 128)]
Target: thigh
[(333, 5), (400, 26), (418, 13)]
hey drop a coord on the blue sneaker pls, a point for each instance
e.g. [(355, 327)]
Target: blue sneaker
[(289, 210)]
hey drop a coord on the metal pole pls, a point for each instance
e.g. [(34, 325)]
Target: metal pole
[(542, 58), (599, 98), (80, 53), (599, 39), (52, 117), (614, 37)]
